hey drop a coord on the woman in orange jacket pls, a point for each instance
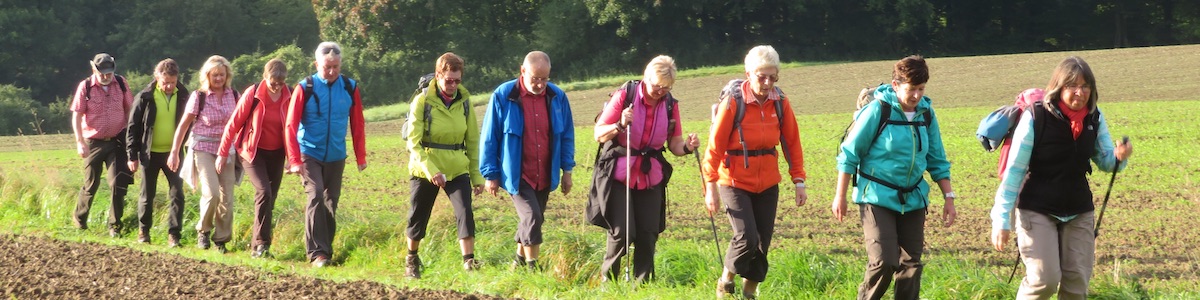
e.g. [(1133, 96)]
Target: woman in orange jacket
[(741, 162)]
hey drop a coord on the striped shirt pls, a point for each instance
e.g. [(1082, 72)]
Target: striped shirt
[(210, 123)]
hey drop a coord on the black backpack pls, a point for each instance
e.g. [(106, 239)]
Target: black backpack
[(87, 90), (732, 91), (422, 88)]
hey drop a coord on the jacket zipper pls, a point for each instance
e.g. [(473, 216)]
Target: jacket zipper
[(328, 120)]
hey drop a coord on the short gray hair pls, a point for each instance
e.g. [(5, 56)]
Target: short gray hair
[(760, 57), (536, 59), (328, 49)]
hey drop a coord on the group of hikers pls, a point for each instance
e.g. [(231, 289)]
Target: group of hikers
[(526, 147)]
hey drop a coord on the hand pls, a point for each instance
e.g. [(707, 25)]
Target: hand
[(173, 161), (293, 170), (948, 212), (801, 196), (477, 190), (626, 117), (132, 166), (692, 142), (82, 148), (566, 183), (362, 167), (439, 180), (492, 186), (839, 207), (221, 164), (1124, 149), (711, 203), (999, 238)]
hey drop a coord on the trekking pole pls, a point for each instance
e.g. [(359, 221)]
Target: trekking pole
[(1104, 205), (628, 181), (711, 221), (1016, 262)]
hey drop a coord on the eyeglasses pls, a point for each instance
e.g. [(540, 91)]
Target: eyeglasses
[(539, 79), (1085, 88), (332, 49), (763, 78), (663, 88), (276, 84)]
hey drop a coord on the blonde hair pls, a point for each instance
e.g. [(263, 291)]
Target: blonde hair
[(275, 68), (212, 63), (662, 69), (760, 57)]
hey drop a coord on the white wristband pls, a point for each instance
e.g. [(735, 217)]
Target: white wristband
[(799, 185), (951, 195)]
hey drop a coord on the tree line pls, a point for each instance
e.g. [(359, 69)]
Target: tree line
[(390, 43)]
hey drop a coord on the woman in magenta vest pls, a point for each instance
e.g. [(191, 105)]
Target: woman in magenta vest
[(642, 126)]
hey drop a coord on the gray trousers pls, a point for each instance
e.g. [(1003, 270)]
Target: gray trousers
[(108, 153), (531, 206), (323, 184), (157, 163), (752, 216), (1058, 256), (265, 173), (894, 242)]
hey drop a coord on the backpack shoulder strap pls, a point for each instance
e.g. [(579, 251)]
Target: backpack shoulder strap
[(885, 115), (671, 103), (201, 98), (121, 83), (630, 92), (350, 85)]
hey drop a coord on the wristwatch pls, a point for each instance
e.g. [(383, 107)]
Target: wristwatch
[(951, 195)]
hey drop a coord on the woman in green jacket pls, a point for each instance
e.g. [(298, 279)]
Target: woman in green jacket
[(443, 146)]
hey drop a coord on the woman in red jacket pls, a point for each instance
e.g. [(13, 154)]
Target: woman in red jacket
[(256, 128)]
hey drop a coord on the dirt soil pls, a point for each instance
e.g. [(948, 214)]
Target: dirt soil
[(39, 268)]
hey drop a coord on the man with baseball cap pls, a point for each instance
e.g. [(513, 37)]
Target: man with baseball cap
[(100, 111)]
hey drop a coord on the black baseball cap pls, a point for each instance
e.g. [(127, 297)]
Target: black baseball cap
[(104, 63)]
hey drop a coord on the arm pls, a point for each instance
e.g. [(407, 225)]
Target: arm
[(791, 134), (127, 101), (295, 113), (234, 127), (1014, 174), (567, 146), (858, 140), (416, 134), (677, 143), (78, 109), (135, 129), (489, 138), (1106, 155), (189, 116), (472, 143), (611, 121), (357, 129), (937, 164)]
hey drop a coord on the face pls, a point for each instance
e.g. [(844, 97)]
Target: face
[(166, 83), (656, 88), (275, 84), (105, 78), (1076, 94), (448, 82), (908, 93), (535, 79), (217, 77), (763, 80), (329, 67)]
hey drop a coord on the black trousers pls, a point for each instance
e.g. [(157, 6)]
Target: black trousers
[(752, 216), (646, 211), (531, 207), (157, 163), (266, 172), (421, 201), (323, 184), (102, 154)]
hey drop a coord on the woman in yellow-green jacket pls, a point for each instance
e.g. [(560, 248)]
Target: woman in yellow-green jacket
[(443, 146)]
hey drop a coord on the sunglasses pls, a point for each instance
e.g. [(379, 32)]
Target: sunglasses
[(763, 79), (332, 49), (453, 81)]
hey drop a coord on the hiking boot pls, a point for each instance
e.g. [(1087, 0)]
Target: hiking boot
[(412, 268), (114, 232), (144, 236), (221, 248), (202, 240), (533, 265), (173, 240), (260, 251), (471, 264), (724, 288), (81, 225), (320, 261), (518, 262)]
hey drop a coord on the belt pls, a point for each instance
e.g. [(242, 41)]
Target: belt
[(759, 152), (102, 140)]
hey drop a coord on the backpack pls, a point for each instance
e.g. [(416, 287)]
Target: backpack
[(308, 90), (996, 129), (865, 96), (732, 92), (406, 127), (87, 90), (597, 204)]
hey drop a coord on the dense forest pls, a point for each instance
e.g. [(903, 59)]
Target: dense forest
[(389, 43)]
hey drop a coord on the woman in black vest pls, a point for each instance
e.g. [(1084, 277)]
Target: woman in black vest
[(1046, 180)]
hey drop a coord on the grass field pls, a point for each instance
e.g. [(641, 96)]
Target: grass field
[(1146, 249)]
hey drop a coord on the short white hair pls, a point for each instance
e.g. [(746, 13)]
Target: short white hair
[(761, 57), (536, 59), (333, 49)]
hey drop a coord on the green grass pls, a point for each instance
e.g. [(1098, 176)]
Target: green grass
[(1146, 249)]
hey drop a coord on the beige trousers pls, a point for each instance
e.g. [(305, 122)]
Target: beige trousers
[(1058, 256), (216, 197)]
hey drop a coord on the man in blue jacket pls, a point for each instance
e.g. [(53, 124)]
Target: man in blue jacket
[(528, 138)]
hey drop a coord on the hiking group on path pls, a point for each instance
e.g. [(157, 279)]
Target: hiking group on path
[(212, 137)]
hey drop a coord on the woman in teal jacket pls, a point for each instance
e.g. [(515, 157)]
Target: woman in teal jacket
[(443, 147), (894, 141)]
